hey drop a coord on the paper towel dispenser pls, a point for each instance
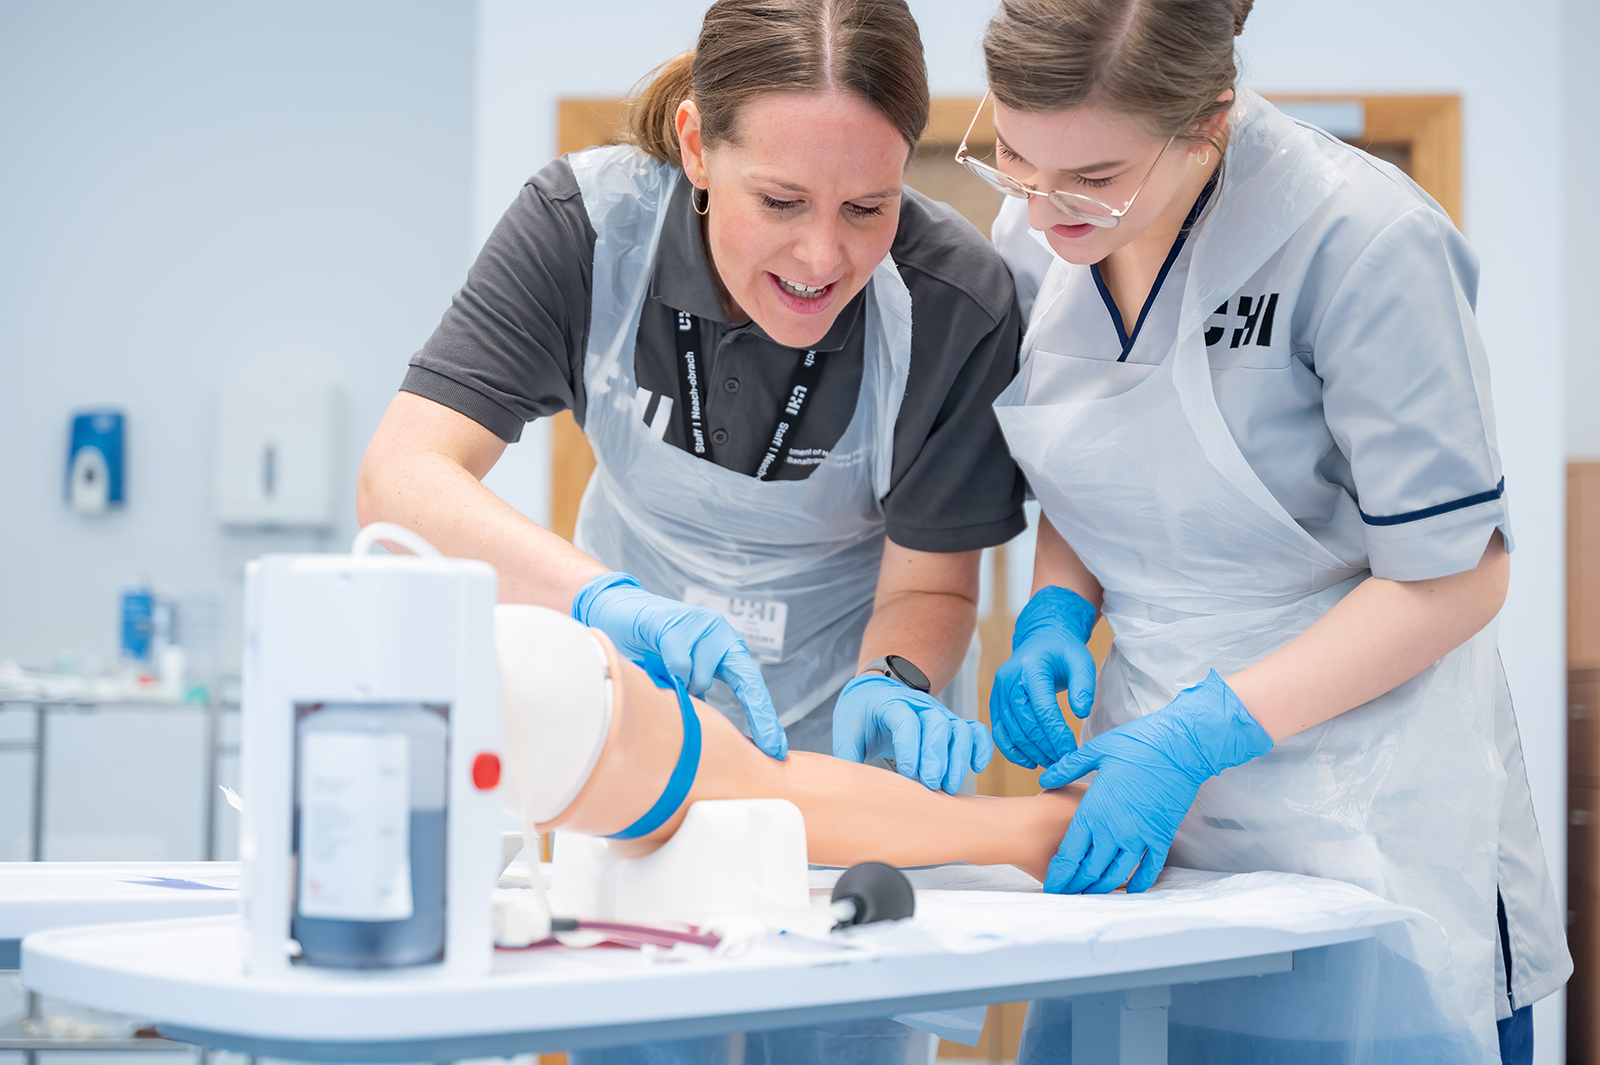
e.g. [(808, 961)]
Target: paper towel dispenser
[(275, 451)]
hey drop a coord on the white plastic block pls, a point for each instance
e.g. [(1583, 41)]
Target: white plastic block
[(730, 856)]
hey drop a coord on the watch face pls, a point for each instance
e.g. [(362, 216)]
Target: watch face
[(906, 672)]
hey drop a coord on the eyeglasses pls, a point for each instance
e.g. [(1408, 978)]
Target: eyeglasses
[(1086, 208)]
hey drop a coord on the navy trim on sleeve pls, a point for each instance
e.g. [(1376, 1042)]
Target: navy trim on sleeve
[(1443, 508)]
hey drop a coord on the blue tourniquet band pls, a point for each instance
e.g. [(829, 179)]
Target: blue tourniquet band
[(683, 774)]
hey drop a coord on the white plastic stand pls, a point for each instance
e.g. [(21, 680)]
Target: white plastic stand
[(369, 630), (730, 857)]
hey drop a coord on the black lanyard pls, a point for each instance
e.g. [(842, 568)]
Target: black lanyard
[(689, 374), (796, 400)]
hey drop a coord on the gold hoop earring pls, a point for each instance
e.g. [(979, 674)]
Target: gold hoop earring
[(1204, 157), (701, 211)]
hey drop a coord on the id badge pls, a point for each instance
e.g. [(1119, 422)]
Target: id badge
[(760, 621)]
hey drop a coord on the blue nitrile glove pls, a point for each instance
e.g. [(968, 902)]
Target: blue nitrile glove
[(877, 716), (1049, 654), (1149, 771), (695, 642)]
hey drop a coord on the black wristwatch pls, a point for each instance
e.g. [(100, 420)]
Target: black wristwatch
[(902, 670)]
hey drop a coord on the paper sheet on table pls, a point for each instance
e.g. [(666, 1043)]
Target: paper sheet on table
[(969, 909)]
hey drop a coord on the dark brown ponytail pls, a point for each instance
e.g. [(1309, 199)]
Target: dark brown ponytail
[(868, 48)]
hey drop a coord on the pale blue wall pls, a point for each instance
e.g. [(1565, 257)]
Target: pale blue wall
[(190, 189), (1580, 220)]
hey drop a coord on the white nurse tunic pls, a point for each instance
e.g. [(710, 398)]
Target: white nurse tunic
[(1328, 304)]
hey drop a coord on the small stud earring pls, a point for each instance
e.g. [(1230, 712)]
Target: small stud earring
[(699, 210)]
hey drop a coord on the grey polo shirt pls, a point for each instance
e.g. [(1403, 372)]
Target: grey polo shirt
[(512, 345)]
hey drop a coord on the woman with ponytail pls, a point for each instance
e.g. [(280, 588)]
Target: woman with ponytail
[(1254, 406), (785, 362)]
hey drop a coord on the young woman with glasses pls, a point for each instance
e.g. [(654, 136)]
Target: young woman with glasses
[(785, 362), (1254, 406)]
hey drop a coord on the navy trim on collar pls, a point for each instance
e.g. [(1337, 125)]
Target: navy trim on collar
[(1123, 336), (1443, 508)]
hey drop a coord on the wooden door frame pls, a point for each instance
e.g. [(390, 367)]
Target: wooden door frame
[(1430, 124)]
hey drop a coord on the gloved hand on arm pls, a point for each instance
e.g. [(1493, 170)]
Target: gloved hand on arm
[(877, 716), (695, 642), (1049, 654), (1149, 771)]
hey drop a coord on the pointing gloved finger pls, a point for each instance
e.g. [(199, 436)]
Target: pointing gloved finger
[(741, 674), (1149, 869), (1051, 732), (1080, 678), (1002, 733), (677, 655), (1071, 767), (1058, 739), (935, 748), (1065, 864), (1102, 852), (717, 646), (905, 735), (1026, 731), (1013, 753), (982, 746), (958, 757), (1116, 874), (679, 645)]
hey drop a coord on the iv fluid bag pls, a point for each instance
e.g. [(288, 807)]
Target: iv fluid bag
[(369, 834)]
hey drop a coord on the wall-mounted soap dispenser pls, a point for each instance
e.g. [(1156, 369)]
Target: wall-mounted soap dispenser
[(94, 461), (274, 461)]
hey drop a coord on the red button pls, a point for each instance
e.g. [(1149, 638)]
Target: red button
[(486, 771)]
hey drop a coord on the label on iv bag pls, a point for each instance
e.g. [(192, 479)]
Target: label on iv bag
[(355, 825), (760, 621)]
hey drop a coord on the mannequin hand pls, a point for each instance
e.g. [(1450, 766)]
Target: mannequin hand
[(877, 716), (1049, 654), (1149, 772), (694, 642)]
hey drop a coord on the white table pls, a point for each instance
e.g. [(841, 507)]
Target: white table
[(36, 896), (1115, 955)]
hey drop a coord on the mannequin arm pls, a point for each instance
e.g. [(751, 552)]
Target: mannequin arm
[(423, 470), (567, 690), (856, 813), (1374, 639)]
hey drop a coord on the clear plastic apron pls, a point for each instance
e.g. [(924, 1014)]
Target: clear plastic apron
[(1202, 568), (793, 563)]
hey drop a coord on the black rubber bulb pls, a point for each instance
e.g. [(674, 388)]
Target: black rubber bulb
[(880, 893)]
